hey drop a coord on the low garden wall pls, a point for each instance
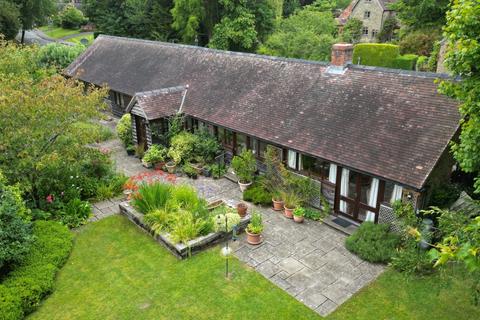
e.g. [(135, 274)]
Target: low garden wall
[(180, 250)]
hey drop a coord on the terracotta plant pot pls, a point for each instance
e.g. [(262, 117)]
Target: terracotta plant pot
[(146, 164), (277, 205), (159, 165), (171, 167), (242, 209), (288, 212), (298, 219), (253, 238), (244, 186)]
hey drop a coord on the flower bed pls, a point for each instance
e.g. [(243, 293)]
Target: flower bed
[(180, 250)]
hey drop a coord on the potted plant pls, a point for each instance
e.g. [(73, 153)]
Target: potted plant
[(207, 171), (298, 214), (277, 201), (197, 164), (254, 229), (217, 170), (291, 201), (244, 166), (171, 165), (242, 209), (190, 171), (154, 155), (130, 149)]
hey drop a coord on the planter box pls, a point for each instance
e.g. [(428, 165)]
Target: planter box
[(180, 250)]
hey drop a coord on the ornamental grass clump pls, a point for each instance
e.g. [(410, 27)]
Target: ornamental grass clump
[(151, 196)]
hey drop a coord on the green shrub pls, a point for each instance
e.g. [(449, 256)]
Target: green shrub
[(422, 64), (23, 289), (405, 62), (190, 171), (373, 242), (74, 213), (9, 19), (182, 147), (444, 195), (124, 129), (207, 146), (156, 153), (71, 17), (15, 229), (218, 170), (58, 55), (412, 259), (375, 54), (232, 219), (257, 194), (419, 42)]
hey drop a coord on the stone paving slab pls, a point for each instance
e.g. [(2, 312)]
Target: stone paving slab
[(309, 260)]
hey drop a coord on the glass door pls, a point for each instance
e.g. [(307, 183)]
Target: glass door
[(357, 196)]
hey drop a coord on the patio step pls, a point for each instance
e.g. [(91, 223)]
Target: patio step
[(230, 175), (349, 230)]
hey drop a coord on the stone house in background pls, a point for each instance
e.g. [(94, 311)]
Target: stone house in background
[(368, 136), (372, 13)]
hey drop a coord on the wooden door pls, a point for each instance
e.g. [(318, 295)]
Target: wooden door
[(141, 131)]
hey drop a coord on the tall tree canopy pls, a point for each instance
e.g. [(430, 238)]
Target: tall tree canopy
[(9, 19), (463, 59), (33, 12), (307, 34), (420, 14), (146, 19)]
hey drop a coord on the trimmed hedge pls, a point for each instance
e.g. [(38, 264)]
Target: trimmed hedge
[(23, 289), (375, 54), (383, 55), (405, 62)]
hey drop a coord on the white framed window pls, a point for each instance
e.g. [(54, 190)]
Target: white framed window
[(374, 33), (366, 15), (365, 31)]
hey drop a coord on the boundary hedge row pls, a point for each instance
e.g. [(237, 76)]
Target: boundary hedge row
[(22, 290), (383, 55)]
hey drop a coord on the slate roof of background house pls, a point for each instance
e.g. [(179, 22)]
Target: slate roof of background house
[(389, 123), (159, 103)]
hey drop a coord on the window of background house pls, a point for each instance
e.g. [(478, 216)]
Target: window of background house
[(387, 195), (315, 167), (254, 146), (374, 33), (366, 14), (241, 142), (262, 146), (221, 134), (365, 31), (228, 139)]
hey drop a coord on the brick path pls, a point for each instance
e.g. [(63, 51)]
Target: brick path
[(309, 260)]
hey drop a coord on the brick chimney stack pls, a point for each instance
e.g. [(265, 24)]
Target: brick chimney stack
[(341, 54)]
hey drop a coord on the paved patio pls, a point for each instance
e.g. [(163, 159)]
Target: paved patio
[(309, 260)]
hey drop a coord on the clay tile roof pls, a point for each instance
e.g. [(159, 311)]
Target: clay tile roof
[(389, 123), (159, 103)]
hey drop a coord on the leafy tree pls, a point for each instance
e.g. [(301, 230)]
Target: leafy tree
[(146, 19), (418, 14), (187, 17), (307, 34), (243, 23), (289, 7), (462, 59), (71, 17), (41, 111), (352, 31), (419, 42), (34, 11), (9, 19), (390, 26)]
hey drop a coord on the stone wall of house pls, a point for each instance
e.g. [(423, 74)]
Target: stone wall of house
[(375, 21)]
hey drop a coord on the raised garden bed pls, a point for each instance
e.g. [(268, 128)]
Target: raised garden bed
[(181, 250)]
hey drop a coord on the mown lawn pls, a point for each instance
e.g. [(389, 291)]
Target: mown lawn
[(117, 272), (58, 32), (77, 39), (397, 296)]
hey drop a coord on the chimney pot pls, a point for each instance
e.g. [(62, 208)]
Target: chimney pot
[(342, 54)]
